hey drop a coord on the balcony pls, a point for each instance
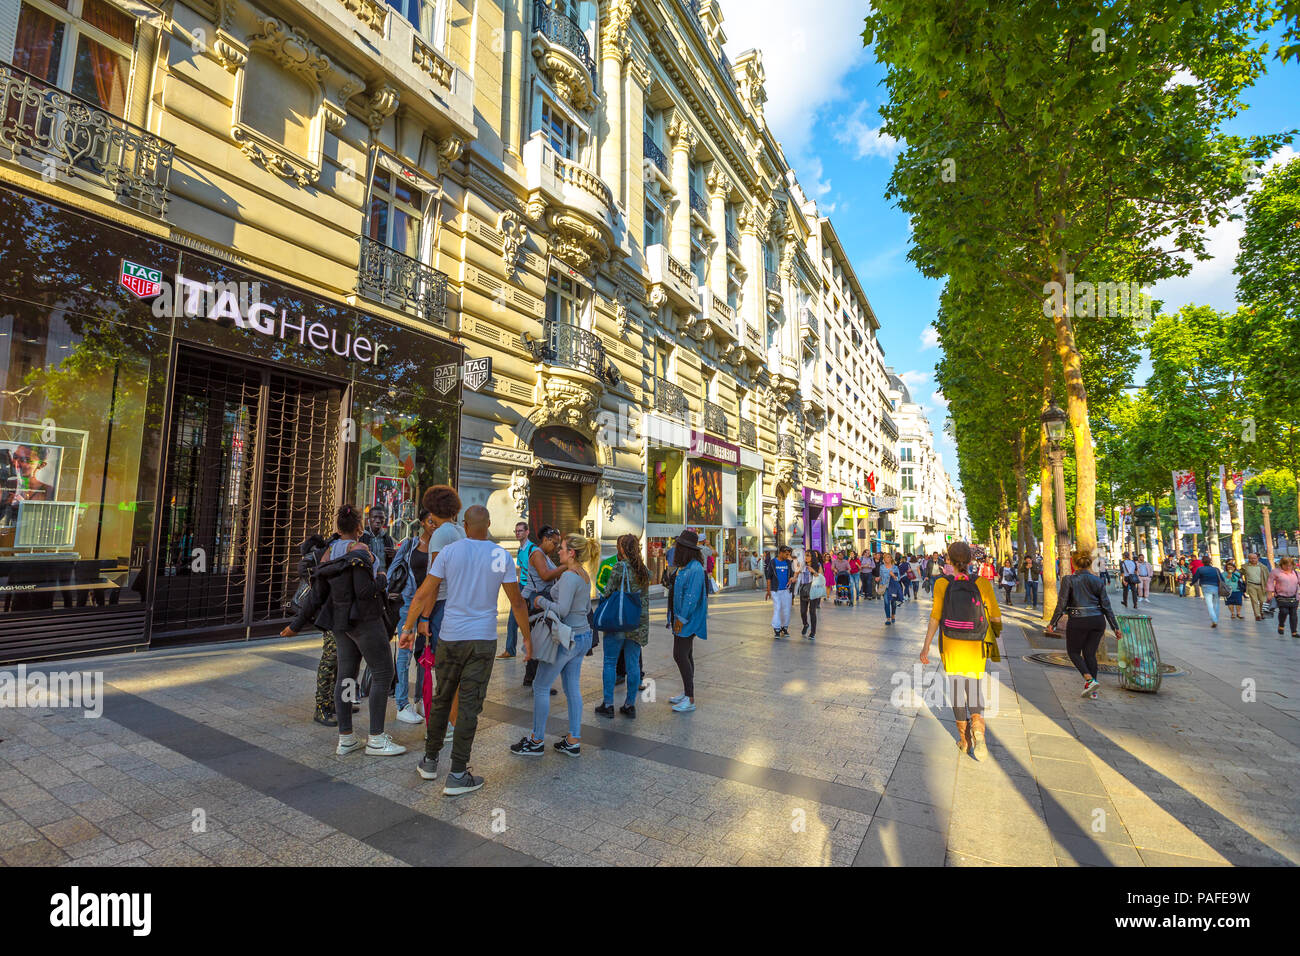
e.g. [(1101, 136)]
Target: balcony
[(889, 427), (655, 154), (671, 279), (748, 433), (889, 460), (577, 204), (391, 278), (671, 400), (569, 347), (700, 205), (717, 313), (715, 419), (733, 243), (809, 324), (59, 136), (564, 54)]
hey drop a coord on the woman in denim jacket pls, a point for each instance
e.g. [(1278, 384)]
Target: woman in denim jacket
[(690, 615)]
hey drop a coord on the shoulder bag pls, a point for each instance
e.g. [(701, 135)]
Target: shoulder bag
[(619, 610)]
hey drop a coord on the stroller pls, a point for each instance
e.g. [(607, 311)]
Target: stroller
[(843, 593)]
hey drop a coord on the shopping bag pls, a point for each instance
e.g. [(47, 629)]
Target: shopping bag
[(427, 661)]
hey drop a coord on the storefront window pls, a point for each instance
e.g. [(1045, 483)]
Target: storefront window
[(80, 405), (656, 560), (746, 495), (664, 491), (703, 493)]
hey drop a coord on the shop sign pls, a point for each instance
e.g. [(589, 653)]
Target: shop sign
[(863, 512), (240, 303), (563, 474), (705, 446), (445, 378), (141, 281), (477, 372), (822, 499)]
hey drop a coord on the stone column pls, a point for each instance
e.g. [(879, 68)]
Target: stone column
[(683, 140), (719, 190), (611, 147)]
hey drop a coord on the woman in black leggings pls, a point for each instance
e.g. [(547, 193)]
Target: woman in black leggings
[(346, 598), (1083, 595)]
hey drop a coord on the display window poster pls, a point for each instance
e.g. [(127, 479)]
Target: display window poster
[(30, 470), (704, 494), (390, 493)]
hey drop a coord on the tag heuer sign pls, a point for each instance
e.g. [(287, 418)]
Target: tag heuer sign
[(141, 281), (445, 378), (477, 372)]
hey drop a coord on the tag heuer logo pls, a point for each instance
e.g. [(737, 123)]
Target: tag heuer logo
[(445, 378), (477, 372), (141, 281)]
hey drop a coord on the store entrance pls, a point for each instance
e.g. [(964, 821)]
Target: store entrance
[(556, 503), (251, 470)]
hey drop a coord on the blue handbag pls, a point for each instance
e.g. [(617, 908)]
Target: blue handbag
[(619, 610)]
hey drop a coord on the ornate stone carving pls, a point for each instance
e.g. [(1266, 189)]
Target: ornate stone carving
[(431, 62), (381, 104), (571, 81), (276, 162), (520, 491), (292, 49), (696, 327), (514, 235), (657, 297), (718, 183), (576, 241), (605, 492), (569, 402), (370, 12), (682, 134), (449, 150), (613, 35), (620, 312), (229, 54)]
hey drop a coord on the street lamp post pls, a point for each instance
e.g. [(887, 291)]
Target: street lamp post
[(1265, 499)]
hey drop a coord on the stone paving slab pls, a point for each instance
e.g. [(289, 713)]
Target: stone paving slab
[(800, 753)]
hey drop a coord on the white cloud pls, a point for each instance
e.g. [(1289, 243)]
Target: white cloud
[(938, 400), (814, 186), (852, 130), (914, 379), (1211, 282), (929, 338), (806, 55)]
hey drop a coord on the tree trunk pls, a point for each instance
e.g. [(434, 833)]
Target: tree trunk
[(1024, 518), (1234, 521), (1212, 516), (1085, 460), (1045, 502)]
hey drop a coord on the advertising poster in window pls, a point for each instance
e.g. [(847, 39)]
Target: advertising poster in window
[(704, 494), (389, 493)]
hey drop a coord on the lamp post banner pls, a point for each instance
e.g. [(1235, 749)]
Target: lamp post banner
[(1185, 502)]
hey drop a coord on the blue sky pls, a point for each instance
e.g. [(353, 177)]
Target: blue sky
[(823, 95)]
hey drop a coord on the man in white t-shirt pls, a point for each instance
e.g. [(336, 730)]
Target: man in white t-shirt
[(470, 572)]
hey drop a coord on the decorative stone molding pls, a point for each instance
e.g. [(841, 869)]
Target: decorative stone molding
[(568, 401), (514, 234), (381, 104), (605, 492), (276, 161), (641, 73), (620, 302), (575, 240), (613, 35), (372, 13), (431, 61), (682, 134), (292, 49), (696, 327), (657, 297), (718, 183), (520, 491), (229, 54), (568, 77)]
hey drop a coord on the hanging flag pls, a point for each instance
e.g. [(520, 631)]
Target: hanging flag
[(1185, 502)]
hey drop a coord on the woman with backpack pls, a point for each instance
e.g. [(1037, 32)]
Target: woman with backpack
[(1083, 595), (964, 615), (347, 597), (630, 574), (1283, 590), (891, 583), (811, 588), (689, 613)]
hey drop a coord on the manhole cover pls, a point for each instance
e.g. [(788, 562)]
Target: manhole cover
[(1062, 659)]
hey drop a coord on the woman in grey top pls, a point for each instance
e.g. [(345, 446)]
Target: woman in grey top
[(571, 601), (541, 574)]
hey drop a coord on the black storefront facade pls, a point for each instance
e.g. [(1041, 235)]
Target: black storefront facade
[(172, 426)]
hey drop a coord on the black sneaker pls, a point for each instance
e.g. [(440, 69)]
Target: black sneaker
[(785, 632), (564, 746), (528, 747), (804, 632), (427, 768), (630, 709), (605, 710), (458, 783), (327, 719), (776, 633), (812, 637)]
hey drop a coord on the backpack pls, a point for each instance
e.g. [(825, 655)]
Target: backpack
[(962, 617)]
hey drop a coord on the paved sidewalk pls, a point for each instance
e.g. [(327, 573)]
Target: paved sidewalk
[(799, 753)]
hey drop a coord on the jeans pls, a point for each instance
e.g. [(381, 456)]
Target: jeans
[(512, 633), (1006, 593), (1031, 593), (916, 588), (869, 586), (1282, 612), (369, 640), (891, 604), (616, 643), (782, 602), (568, 667), (1212, 603), (853, 589), (406, 655), (464, 667)]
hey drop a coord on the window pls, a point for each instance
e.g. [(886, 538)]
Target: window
[(906, 479), (82, 46), (699, 266), (396, 211), (654, 225), (650, 124), (427, 18), (697, 179), (909, 509), (663, 362), (562, 135), (905, 453), (566, 300)]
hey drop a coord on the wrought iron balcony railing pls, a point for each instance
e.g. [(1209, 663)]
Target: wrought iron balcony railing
[(787, 446), (571, 347), (558, 28), (385, 273), (654, 153), (814, 461), (888, 423), (670, 399), (68, 137), (715, 419), (748, 433), (772, 279), (733, 242), (700, 204)]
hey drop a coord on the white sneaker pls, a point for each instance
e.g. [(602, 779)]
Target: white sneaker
[(451, 732), (408, 715), (381, 745), (677, 700), (349, 744), (684, 706)]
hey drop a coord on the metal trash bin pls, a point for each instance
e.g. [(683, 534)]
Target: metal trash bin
[(1138, 655)]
